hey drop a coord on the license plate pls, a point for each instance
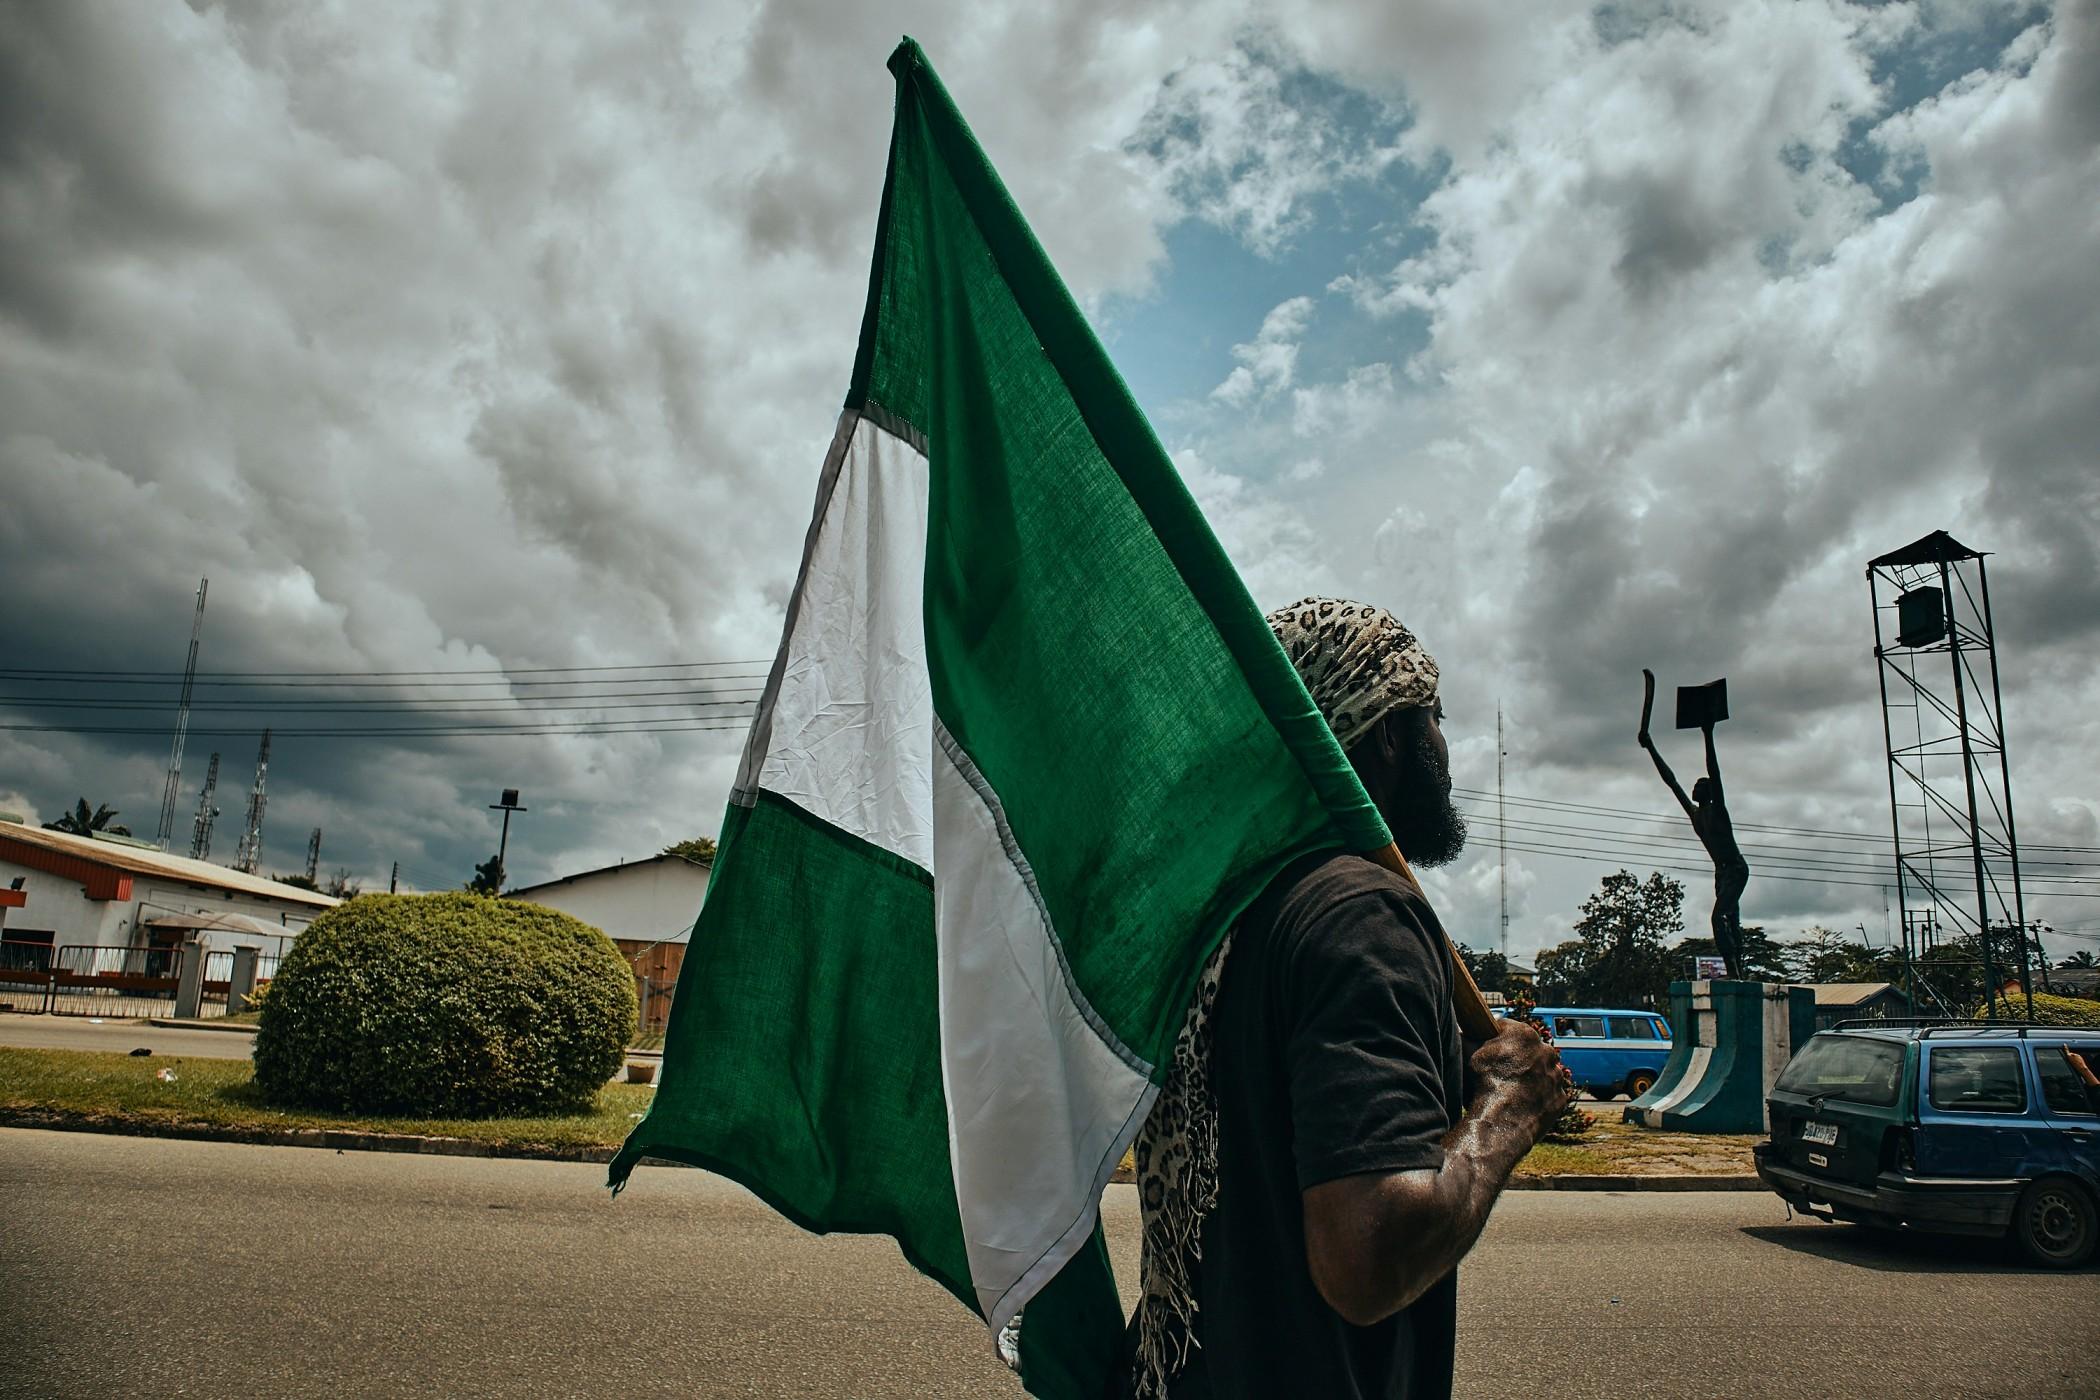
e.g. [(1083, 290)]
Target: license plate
[(1825, 1133)]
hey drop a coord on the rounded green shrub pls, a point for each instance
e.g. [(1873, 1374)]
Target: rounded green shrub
[(2048, 1010), (445, 1005)]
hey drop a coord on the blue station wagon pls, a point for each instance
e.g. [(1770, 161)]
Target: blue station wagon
[(1969, 1128), (1609, 1051)]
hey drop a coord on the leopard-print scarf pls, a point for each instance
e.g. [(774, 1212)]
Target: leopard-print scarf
[(1177, 1175), (1358, 662)]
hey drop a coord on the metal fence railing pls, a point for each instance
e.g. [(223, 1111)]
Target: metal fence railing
[(126, 983), (110, 982), (24, 957), (25, 977)]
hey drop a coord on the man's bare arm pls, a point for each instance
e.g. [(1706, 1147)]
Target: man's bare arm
[(1374, 1243), (1713, 762)]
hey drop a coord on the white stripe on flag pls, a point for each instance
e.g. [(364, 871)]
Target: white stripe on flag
[(1041, 1102), (847, 723)]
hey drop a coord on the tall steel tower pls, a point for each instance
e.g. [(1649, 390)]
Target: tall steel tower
[(313, 855), (249, 854), (207, 812), (182, 725), (1950, 784)]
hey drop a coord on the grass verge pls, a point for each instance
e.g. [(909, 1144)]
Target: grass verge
[(121, 1093)]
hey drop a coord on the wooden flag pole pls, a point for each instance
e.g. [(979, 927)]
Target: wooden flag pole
[(1475, 1022)]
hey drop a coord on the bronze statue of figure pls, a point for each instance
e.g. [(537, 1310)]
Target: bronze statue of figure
[(1708, 808)]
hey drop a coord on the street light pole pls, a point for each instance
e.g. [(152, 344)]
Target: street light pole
[(508, 805)]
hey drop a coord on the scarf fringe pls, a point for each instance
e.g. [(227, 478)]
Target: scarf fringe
[(1177, 1174)]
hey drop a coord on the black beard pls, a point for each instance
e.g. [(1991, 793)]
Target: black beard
[(1431, 831), (1433, 834)]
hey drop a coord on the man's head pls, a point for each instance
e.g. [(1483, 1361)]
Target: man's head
[(1377, 688), (1701, 791)]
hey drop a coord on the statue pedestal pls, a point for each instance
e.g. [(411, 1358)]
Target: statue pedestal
[(1731, 1041)]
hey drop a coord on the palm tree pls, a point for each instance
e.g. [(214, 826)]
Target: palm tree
[(82, 822), (2082, 958)]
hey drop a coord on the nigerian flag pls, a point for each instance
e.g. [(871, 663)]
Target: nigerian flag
[(1025, 753)]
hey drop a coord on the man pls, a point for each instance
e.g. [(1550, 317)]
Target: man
[(1325, 1152)]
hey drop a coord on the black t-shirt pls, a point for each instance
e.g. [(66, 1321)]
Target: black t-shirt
[(1335, 1052)]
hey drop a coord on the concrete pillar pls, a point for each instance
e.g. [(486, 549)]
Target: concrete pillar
[(189, 982), (243, 981), (1732, 1040)]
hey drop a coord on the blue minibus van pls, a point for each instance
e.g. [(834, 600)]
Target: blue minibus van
[(1609, 1050)]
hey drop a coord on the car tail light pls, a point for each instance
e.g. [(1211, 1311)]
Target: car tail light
[(1901, 1151)]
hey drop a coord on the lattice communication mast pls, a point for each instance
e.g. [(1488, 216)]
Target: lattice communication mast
[(313, 855), (166, 833), (249, 854), (207, 813), (1950, 783)]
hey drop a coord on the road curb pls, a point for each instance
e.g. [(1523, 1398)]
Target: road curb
[(342, 1140), (350, 1140), (1685, 1182), (240, 1028)]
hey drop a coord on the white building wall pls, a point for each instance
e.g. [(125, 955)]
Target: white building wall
[(55, 902), (648, 902)]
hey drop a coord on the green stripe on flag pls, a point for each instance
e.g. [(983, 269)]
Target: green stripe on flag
[(803, 1055)]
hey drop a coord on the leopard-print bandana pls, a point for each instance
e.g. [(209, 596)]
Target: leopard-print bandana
[(1357, 660)]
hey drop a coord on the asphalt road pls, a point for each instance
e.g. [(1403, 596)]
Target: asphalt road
[(120, 1037), (153, 1267)]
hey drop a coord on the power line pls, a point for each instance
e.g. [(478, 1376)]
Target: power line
[(1602, 854), (455, 684), (1740, 825), (434, 704), (166, 676), (1766, 853), (636, 726)]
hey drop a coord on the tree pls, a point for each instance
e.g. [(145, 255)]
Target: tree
[(83, 822), (700, 850), (488, 877), (1618, 956), (300, 881), (1825, 955), (341, 886), (1764, 957), (1490, 970), (2082, 958)]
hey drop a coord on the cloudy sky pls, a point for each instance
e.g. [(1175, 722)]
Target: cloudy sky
[(483, 357)]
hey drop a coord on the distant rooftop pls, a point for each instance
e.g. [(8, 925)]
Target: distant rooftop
[(135, 859), (1846, 993), (635, 864)]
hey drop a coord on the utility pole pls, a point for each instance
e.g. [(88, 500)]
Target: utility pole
[(1501, 831), (393, 879), (508, 805), (207, 812), (166, 832)]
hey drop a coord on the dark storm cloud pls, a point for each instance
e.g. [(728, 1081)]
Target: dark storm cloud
[(448, 336)]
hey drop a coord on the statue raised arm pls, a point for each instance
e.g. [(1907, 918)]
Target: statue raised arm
[(1707, 807)]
